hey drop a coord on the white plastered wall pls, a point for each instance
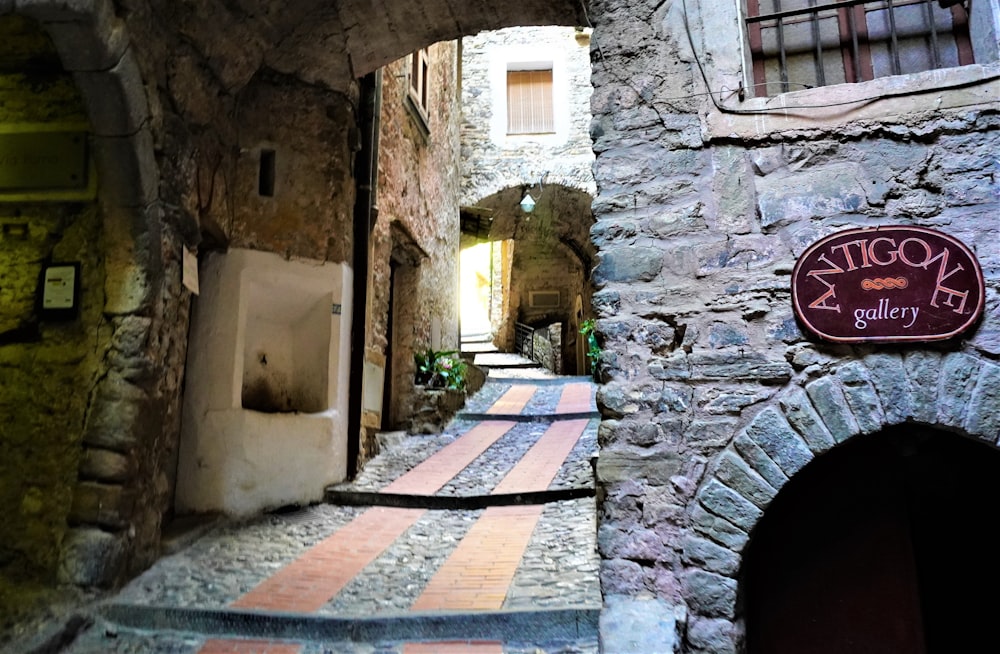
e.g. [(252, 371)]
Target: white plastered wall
[(273, 325)]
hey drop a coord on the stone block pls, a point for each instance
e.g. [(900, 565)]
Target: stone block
[(64, 10), (734, 190), (128, 174), (106, 465), (714, 635), (888, 375), (983, 415), (631, 625), (104, 505), (656, 468), (959, 373), (760, 461), (710, 435), (115, 98), (923, 369), (709, 594), (113, 423), (719, 529), (987, 336), (620, 576), (779, 441), (675, 367), (802, 416), (820, 192), (720, 401), (729, 504), (95, 44), (861, 397), (630, 542), (705, 554), (628, 264), (733, 366), (678, 221), (737, 474), (831, 405), (91, 557)]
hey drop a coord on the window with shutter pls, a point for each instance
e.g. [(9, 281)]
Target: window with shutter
[(529, 102)]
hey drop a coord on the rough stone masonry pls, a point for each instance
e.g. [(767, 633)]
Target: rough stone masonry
[(716, 397)]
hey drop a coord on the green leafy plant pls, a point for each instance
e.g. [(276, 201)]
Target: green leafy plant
[(440, 369), (587, 328)]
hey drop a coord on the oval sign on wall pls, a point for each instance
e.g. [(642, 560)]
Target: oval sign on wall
[(887, 284)]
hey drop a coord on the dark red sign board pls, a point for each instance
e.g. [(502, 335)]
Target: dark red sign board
[(887, 284)]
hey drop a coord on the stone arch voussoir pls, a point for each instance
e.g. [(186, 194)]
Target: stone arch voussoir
[(954, 391), (93, 46)]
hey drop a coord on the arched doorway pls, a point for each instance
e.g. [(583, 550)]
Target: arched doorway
[(877, 547)]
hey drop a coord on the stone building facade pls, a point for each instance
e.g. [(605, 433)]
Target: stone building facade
[(543, 276), (718, 401), (717, 406)]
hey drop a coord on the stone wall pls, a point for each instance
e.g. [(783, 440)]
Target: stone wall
[(492, 161), (417, 228), (47, 367), (701, 214)]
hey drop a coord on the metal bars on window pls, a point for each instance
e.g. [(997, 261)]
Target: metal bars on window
[(798, 44)]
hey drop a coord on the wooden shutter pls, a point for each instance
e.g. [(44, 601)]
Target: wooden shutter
[(529, 102)]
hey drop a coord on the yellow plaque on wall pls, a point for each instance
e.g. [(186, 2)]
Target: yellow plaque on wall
[(43, 160)]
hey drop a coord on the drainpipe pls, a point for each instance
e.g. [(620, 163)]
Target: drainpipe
[(365, 214)]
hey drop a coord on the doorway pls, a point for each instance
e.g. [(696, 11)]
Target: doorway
[(879, 546)]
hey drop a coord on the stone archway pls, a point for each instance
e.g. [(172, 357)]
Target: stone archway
[(120, 492), (869, 546), (954, 392)]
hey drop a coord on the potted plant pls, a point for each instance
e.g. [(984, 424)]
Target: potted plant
[(439, 369)]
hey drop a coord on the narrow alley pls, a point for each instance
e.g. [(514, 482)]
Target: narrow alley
[(481, 539)]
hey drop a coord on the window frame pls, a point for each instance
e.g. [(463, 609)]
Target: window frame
[(854, 47), (418, 90), (548, 121)]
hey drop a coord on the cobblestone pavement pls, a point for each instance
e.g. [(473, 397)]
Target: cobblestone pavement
[(543, 557)]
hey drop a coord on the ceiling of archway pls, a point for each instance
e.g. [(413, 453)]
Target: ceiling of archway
[(561, 214), (328, 42)]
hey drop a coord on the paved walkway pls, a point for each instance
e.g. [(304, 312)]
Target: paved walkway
[(478, 540)]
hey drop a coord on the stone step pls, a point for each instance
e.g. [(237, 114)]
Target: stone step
[(117, 626), (504, 360)]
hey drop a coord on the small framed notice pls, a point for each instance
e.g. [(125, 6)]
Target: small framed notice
[(60, 291)]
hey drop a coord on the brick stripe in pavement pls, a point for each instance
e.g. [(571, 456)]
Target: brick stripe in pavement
[(308, 582), (513, 401), (438, 469), (479, 571), (220, 646), (575, 398), (540, 464), (455, 647)]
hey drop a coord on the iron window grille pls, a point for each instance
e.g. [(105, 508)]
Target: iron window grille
[(797, 44)]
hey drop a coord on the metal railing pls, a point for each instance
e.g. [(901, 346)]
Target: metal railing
[(524, 340)]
